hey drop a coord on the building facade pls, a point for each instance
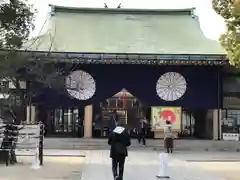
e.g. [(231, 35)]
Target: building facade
[(152, 57)]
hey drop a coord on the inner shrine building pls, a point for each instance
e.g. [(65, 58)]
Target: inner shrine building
[(159, 57)]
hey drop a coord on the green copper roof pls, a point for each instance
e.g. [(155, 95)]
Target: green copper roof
[(124, 31)]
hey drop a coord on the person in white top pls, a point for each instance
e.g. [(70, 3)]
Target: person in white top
[(168, 137)]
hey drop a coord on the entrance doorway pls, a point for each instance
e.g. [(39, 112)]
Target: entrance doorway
[(187, 124), (129, 110), (67, 122), (196, 123)]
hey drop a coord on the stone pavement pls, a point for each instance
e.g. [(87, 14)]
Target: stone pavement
[(179, 145), (191, 156), (225, 164), (142, 165), (55, 168), (52, 153), (228, 170)]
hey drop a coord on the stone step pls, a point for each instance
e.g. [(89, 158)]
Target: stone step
[(101, 144)]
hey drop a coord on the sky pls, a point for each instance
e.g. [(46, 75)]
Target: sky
[(211, 24)]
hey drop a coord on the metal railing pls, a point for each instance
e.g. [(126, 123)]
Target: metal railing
[(20, 137)]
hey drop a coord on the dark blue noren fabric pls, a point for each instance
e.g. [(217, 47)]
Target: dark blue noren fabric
[(140, 80)]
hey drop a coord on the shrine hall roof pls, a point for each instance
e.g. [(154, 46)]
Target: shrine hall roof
[(106, 30)]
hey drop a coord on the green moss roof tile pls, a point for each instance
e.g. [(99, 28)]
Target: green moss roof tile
[(125, 31)]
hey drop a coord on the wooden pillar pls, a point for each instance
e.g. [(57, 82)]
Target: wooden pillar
[(28, 116), (217, 125), (88, 114), (31, 115)]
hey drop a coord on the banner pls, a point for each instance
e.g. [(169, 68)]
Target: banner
[(159, 115)]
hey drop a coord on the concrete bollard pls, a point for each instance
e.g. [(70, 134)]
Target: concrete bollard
[(163, 166), (36, 162)]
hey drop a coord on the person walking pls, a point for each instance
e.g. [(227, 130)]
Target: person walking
[(142, 131), (119, 140), (168, 137)]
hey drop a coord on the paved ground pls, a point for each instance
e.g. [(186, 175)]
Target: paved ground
[(192, 156), (141, 164), (224, 164), (53, 153), (227, 170), (55, 168)]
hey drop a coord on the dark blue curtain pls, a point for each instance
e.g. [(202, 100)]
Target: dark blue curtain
[(140, 80), (202, 85)]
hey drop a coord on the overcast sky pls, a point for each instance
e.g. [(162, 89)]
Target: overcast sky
[(212, 25)]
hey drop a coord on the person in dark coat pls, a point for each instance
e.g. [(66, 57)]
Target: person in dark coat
[(119, 140), (142, 131)]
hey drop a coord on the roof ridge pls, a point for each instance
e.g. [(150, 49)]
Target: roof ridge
[(67, 9)]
